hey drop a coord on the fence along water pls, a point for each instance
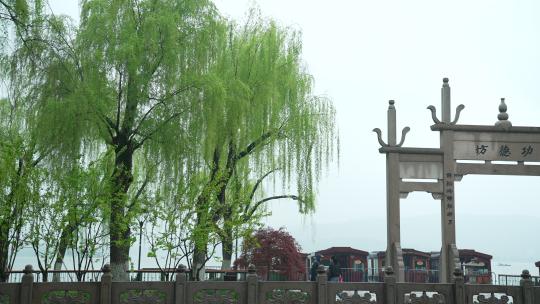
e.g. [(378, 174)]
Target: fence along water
[(253, 290)]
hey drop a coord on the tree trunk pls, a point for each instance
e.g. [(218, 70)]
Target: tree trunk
[(226, 234), (9, 224), (226, 238), (226, 251), (4, 251), (120, 231), (198, 270), (62, 248)]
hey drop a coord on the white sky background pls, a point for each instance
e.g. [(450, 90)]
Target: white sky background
[(363, 53)]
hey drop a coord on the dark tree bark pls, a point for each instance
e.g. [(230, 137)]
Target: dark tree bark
[(119, 225)]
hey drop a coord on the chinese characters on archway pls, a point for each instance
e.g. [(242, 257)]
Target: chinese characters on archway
[(449, 193), (503, 150)]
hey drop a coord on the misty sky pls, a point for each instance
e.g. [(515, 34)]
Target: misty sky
[(363, 53)]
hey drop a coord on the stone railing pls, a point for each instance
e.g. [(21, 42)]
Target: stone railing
[(181, 291)]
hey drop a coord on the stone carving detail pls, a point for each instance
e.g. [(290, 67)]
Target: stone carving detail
[(492, 299), (356, 298), (142, 297), (65, 297), (425, 299), (286, 296), (4, 299), (216, 296)]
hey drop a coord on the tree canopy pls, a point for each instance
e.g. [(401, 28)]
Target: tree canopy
[(273, 250)]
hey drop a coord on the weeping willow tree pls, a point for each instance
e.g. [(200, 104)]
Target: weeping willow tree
[(128, 80), (259, 118), (21, 155)]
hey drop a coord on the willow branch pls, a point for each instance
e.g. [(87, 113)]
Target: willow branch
[(259, 203), (253, 145), (157, 129), (257, 184)]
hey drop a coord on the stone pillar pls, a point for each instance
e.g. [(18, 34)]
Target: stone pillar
[(526, 284), (26, 285), (390, 288), (180, 285), (459, 287), (252, 285), (449, 258), (394, 256), (322, 283), (106, 285)]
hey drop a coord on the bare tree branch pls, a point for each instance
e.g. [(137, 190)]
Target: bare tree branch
[(161, 101), (259, 181), (259, 203), (151, 133), (119, 99)]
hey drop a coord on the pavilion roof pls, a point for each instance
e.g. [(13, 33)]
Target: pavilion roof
[(472, 252), (342, 250)]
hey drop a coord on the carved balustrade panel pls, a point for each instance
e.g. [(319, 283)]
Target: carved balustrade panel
[(536, 294), (220, 292), (356, 293), (66, 293), (424, 297), (355, 297), (287, 293), (9, 293), (216, 296), (142, 296), (421, 293), (66, 297), (142, 292), (493, 294), (493, 298), (4, 299), (287, 296)]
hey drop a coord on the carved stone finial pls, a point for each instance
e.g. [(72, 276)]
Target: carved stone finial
[(434, 114), (392, 141), (525, 274), (458, 112), (252, 269), (445, 80), (389, 270), (106, 268), (379, 137), (321, 270), (28, 269), (181, 268), (458, 272), (503, 116)]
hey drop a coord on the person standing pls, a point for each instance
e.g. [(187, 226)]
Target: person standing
[(315, 262), (334, 271)]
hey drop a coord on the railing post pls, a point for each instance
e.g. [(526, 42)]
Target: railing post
[(26, 285), (526, 284), (390, 287), (180, 285), (459, 286), (322, 284), (106, 285), (252, 284)]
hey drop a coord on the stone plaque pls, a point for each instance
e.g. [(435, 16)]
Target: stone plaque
[(421, 170), (497, 151)]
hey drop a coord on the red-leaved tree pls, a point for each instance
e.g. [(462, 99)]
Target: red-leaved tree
[(273, 251)]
